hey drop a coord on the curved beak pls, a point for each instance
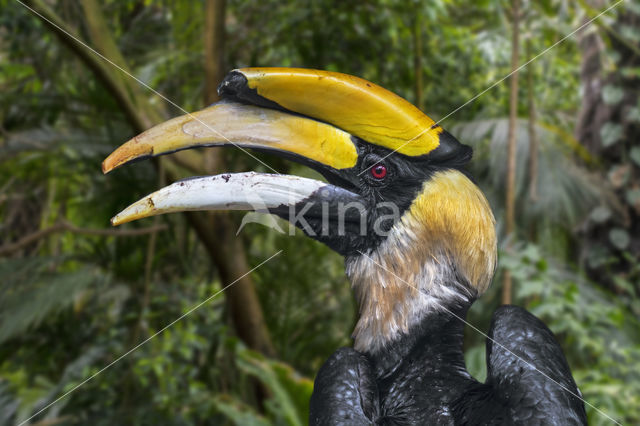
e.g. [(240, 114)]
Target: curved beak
[(246, 126), (230, 123)]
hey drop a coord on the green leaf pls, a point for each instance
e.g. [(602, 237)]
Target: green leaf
[(286, 387), (619, 175), (635, 155), (34, 289), (610, 134), (634, 114), (630, 71), (600, 214), (8, 403), (475, 360), (623, 284), (238, 412), (630, 32), (633, 196), (619, 238), (633, 7), (612, 94)]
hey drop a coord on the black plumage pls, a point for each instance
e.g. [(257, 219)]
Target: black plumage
[(421, 378)]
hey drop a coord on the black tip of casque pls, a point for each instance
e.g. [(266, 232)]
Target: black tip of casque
[(233, 83), (235, 87), (451, 151)]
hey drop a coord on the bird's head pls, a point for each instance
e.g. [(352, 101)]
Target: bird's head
[(416, 232)]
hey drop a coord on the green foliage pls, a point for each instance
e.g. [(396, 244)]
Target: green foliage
[(71, 304), (290, 393), (598, 333), (612, 94), (610, 134), (567, 190), (34, 289), (305, 336), (238, 413)]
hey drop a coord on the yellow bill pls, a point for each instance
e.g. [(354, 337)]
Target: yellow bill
[(231, 123)]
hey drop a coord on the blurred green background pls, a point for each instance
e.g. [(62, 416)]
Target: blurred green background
[(75, 294)]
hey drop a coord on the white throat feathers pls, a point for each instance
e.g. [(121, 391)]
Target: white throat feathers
[(442, 252)]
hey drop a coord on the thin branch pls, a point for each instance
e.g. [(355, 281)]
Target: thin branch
[(226, 251), (214, 42), (141, 325), (511, 148), (533, 136), (417, 60), (65, 226)]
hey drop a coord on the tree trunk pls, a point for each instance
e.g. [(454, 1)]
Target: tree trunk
[(616, 239), (103, 41), (141, 114), (417, 61), (510, 198), (214, 38), (587, 126), (229, 257), (533, 136)]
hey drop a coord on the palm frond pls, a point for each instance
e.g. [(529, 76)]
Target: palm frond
[(35, 288), (567, 190)]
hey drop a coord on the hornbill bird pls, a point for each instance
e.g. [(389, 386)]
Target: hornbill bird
[(417, 235)]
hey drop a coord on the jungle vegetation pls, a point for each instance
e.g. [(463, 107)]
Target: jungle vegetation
[(76, 294)]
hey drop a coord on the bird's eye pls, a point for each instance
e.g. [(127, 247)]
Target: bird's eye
[(379, 171)]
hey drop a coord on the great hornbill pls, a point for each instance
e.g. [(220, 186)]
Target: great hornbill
[(417, 235)]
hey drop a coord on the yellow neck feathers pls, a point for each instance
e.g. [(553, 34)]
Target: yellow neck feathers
[(442, 251), (453, 214)]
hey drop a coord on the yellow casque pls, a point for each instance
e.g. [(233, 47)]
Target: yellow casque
[(383, 118)]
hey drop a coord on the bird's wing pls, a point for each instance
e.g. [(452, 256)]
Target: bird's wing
[(344, 392), (528, 373)]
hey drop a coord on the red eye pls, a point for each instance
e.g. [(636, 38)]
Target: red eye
[(379, 171)]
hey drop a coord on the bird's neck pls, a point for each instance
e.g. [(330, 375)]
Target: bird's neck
[(402, 302), (435, 344), (435, 261)]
